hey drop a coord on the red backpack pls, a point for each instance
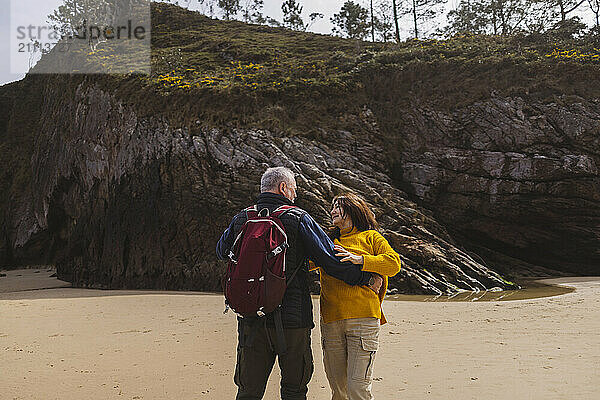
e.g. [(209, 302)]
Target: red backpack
[(255, 282)]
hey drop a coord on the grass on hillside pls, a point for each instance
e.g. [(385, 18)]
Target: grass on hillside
[(228, 73), (191, 52)]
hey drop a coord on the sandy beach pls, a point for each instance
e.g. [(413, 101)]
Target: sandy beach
[(64, 343)]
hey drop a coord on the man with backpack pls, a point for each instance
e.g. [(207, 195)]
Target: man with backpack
[(278, 239)]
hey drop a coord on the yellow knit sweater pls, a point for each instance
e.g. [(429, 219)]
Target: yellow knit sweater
[(342, 301)]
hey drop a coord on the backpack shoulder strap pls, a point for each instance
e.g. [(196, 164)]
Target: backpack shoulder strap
[(282, 210), (247, 213), (251, 212)]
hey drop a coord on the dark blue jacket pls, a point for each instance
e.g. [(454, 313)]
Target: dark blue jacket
[(307, 241)]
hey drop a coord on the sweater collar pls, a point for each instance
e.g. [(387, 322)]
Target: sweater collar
[(348, 231)]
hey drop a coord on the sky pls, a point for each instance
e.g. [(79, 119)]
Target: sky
[(25, 12)]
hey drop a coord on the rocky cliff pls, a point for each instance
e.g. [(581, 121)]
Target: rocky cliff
[(127, 182), (517, 177)]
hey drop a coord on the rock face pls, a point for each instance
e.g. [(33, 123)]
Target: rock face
[(519, 178), (134, 203)]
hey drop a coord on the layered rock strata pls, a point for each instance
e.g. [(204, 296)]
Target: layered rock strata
[(517, 177), (135, 203)]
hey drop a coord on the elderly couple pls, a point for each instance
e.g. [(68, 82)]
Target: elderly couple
[(354, 262)]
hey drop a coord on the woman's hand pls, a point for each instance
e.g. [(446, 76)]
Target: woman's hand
[(347, 256), (376, 283)]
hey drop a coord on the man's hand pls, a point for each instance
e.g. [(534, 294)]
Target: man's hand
[(347, 256), (376, 283)]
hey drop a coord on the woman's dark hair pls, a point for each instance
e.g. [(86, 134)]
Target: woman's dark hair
[(357, 209)]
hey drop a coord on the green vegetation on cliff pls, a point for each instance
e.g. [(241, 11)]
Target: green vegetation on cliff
[(228, 73), (233, 57)]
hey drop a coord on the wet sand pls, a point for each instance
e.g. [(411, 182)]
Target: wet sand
[(66, 343), (530, 289)]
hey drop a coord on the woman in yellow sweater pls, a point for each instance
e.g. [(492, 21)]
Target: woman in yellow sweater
[(351, 315)]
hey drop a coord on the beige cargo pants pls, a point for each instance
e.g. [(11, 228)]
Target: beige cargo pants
[(349, 348)]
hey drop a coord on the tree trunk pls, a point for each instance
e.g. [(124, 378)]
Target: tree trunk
[(396, 21), (563, 14), (414, 10), (372, 24)]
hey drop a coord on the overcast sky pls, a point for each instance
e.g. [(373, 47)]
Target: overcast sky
[(25, 12)]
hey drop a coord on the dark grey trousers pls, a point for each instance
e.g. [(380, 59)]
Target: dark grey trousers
[(256, 356)]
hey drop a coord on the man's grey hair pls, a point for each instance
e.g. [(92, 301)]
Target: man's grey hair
[(272, 177)]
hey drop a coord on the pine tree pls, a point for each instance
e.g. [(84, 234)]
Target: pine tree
[(499, 17), (468, 17), (230, 8), (75, 17), (292, 15), (252, 11), (384, 20), (351, 21), (70, 16), (395, 10)]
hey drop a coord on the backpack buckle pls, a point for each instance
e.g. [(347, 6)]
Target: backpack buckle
[(277, 250)]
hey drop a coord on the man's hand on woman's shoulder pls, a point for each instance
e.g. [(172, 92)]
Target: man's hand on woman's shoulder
[(347, 256)]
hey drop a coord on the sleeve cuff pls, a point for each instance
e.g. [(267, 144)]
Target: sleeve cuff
[(365, 278), (368, 263)]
